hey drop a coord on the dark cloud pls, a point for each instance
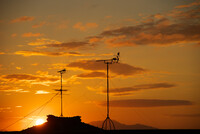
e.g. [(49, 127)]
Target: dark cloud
[(176, 27), (146, 103), (126, 69), (71, 45), (128, 90), (119, 69), (92, 75), (45, 44)]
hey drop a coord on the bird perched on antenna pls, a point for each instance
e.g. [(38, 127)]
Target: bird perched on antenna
[(113, 60), (116, 59), (62, 71)]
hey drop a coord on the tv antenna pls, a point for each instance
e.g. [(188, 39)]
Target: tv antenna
[(61, 90), (108, 123)]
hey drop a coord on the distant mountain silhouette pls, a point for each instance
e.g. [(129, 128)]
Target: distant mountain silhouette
[(73, 125), (119, 125), (69, 125)]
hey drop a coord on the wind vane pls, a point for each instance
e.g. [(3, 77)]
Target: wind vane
[(61, 90), (108, 122)]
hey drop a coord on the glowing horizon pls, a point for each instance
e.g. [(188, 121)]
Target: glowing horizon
[(39, 122)]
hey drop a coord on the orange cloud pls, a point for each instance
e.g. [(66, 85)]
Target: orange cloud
[(196, 3), (34, 64), (159, 16), (137, 103), (31, 34), (57, 66), (41, 92), (37, 53), (18, 68), (1, 53), (43, 41), (118, 69), (85, 27), (6, 88), (23, 19), (39, 25), (14, 35), (71, 45), (94, 39), (16, 77), (29, 78)]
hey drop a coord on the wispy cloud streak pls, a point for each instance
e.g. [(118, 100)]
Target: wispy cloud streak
[(118, 69), (130, 90), (146, 103)]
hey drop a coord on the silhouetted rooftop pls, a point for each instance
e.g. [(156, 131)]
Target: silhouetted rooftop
[(69, 125)]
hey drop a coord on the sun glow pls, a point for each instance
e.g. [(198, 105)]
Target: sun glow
[(39, 121)]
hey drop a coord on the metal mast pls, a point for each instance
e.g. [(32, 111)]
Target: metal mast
[(61, 90), (108, 123)]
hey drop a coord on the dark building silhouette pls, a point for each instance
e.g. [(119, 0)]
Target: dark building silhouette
[(68, 125)]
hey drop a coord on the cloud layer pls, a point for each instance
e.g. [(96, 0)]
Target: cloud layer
[(172, 28), (196, 3), (146, 103), (7, 88), (70, 45), (85, 27), (32, 34), (131, 90), (40, 53), (92, 75), (33, 79), (23, 19), (118, 69)]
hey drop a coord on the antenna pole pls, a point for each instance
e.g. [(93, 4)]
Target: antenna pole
[(61, 90), (108, 123), (107, 89), (61, 95)]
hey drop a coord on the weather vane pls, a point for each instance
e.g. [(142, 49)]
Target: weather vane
[(108, 123)]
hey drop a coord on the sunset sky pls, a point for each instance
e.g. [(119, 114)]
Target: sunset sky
[(155, 83)]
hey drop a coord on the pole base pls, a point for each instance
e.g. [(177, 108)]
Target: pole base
[(108, 124)]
